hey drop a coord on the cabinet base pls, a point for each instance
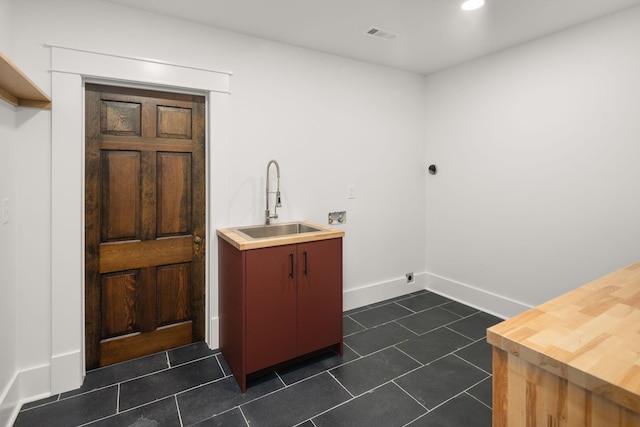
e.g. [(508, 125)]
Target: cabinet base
[(243, 380), (525, 394)]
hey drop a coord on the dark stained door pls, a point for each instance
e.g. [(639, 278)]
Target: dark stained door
[(145, 222)]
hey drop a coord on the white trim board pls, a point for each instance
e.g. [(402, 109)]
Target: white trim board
[(25, 386), (371, 294), (491, 303), (70, 68), (466, 294)]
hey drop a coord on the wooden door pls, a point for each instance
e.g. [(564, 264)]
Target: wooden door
[(319, 295), (145, 222), (271, 309)]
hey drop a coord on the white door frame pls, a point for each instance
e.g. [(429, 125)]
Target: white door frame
[(70, 69)]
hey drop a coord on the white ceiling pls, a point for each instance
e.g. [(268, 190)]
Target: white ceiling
[(432, 34)]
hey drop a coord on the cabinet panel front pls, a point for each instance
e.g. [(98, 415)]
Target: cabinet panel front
[(271, 296), (319, 294)]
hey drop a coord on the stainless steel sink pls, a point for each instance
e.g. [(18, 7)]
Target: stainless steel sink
[(275, 230)]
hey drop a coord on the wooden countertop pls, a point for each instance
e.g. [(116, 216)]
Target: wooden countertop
[(242, 242), (589, 336)]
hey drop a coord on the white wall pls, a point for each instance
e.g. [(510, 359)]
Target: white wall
[(538, 148), (329, 121), (7, 236)]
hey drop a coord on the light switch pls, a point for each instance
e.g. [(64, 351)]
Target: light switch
[(351, 191), (5, 211)]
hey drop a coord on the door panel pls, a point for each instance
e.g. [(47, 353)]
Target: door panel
[(120, 118), (120, 186), (174, 193), (119, 300), (174, 285), (144, 198), (174, 122)]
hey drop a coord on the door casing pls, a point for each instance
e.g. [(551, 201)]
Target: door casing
[(71, 68)]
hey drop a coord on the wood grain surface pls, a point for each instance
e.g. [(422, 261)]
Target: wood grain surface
[(240, 242), (587, 339)]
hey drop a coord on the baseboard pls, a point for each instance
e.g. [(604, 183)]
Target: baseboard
[(489, 302), (67, 371), (10, 402), (214, 333), (354, 298), (25, 386)]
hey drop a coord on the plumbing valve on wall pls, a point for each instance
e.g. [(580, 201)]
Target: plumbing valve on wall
[(337, 217)]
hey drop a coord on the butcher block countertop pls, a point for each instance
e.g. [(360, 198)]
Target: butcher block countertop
[(243, 242), (589, 336)]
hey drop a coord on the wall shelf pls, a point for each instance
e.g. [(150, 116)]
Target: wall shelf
[(17, 89)]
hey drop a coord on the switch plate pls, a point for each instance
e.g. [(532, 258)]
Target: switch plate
[(5, 211), (351, 191)]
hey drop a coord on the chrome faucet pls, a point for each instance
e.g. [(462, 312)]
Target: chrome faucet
[(267, 213)]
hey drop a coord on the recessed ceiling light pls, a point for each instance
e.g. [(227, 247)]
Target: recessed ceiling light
[(472, 4)]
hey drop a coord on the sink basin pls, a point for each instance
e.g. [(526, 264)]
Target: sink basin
[(275, 230)]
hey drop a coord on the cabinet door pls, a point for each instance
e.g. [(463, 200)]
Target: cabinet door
[(271, 297), (319, 294)]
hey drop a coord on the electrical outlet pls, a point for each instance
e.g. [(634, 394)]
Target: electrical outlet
[(409, 278), (351, 191)]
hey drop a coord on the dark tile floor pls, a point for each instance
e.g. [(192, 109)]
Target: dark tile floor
[(416, 360)]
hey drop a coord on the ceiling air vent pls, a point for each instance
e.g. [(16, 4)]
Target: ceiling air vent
[(381, 33)]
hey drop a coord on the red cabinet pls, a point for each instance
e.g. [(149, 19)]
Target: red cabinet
[(278, 303)]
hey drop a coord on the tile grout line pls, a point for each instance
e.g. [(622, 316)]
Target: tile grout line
[(400, 324), (220, 366), (408, 355), (280, 378), (175, 398), (351, 348), (342, 385), (412, 397), (459, 333), (285, 386), (473, 397), (378, 305), (191, 388), (446, 325), (244, 417), (70, 397), (465, 391), (471, 363), (118, 400), (451, 353), (365, 328)]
